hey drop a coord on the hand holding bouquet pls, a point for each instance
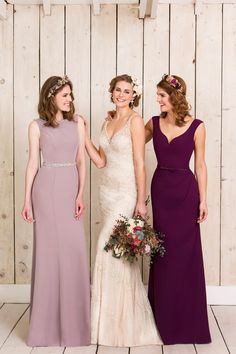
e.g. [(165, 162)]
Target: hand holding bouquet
[(133, 237)]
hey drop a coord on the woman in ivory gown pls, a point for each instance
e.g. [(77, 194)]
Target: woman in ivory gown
[(121, 313)]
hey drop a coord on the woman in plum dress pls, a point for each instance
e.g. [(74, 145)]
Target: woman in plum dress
[(60, 290), (176, 284)]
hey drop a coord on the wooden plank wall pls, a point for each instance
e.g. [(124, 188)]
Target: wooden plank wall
[(92, 50)]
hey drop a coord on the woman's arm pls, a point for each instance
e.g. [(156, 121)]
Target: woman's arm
[(148, 131), (201, 170), (31, 170), (96, 155), (138, 140), (80, 163)]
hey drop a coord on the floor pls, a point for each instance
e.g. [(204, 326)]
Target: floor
[(14, 325)]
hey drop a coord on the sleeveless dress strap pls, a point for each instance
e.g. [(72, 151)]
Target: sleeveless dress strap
[(40, 123), (194, 125), (155, 122)]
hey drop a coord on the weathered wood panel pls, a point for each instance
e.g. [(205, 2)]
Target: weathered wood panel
[(182, 46), (52, 46), (130, 44), (92, 49), (9, 315), (26, 91), (228, 199), (130, 47), (156, 63), (103, 69), (226, 318), (6, 151), (78, 69), (208, 108)]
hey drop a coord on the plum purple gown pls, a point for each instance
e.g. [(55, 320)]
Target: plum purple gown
[(176, 284), (60, 289)]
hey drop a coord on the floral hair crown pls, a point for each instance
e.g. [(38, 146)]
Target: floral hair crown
[(172, 81), (137, 87), (61, 82)]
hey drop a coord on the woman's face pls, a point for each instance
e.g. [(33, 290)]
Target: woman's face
[(63, 99), (122, 94), (164, 100)]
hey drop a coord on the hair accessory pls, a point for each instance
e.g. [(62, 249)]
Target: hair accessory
[(137, 87), (61, 82), (172, 81)]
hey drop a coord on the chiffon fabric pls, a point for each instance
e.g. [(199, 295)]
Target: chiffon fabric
[(177, 286), (60, 289)]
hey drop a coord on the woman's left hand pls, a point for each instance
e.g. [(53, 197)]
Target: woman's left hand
[(79, 207), (141, 209), (110, 115), (203, 212)]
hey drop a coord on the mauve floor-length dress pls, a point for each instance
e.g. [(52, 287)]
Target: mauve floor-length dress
[(60, 289), (177, 284)]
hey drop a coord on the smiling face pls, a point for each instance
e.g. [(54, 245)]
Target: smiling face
[(164, 100), (122, 94), (63, 99)]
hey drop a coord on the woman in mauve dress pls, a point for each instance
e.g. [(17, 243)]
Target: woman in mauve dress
[(60, 290), (177, 285)]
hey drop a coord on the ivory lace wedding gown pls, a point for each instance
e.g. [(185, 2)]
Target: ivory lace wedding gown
[(121, 313)]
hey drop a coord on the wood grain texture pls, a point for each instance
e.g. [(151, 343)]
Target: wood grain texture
[(78, 69), (52, 43), (182, 36), (9, 315), (91, 349), (228, 177), (217, 346), (26, 92), (226, 318), (156, 59), (6, 151), (208, 108), (103, 69), (92, 49)]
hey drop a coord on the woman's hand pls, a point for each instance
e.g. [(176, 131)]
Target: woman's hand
[(141, 209), (79, 207), (25, 213), (203, 212), (110, 115)]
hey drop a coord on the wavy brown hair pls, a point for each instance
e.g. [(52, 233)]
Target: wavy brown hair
[(47, 107), (128, 79), (178, 100)]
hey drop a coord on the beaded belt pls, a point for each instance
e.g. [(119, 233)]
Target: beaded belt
[(58, 164), (173, 168)]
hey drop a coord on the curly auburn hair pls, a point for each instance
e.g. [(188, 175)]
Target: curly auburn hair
[(47, 107), (178, 100), (126, 78)]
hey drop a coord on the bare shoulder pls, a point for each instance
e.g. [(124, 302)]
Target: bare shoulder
[(200, 134), (136, 120), (201, 129), (34, 127), (78, 118)]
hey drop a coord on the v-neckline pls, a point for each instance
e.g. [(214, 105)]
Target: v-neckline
[(118, 131), (176, 137)]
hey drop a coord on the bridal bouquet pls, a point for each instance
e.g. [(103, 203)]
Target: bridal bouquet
[(133, 237)]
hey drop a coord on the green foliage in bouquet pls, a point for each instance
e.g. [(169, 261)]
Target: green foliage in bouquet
[(133, 237)]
